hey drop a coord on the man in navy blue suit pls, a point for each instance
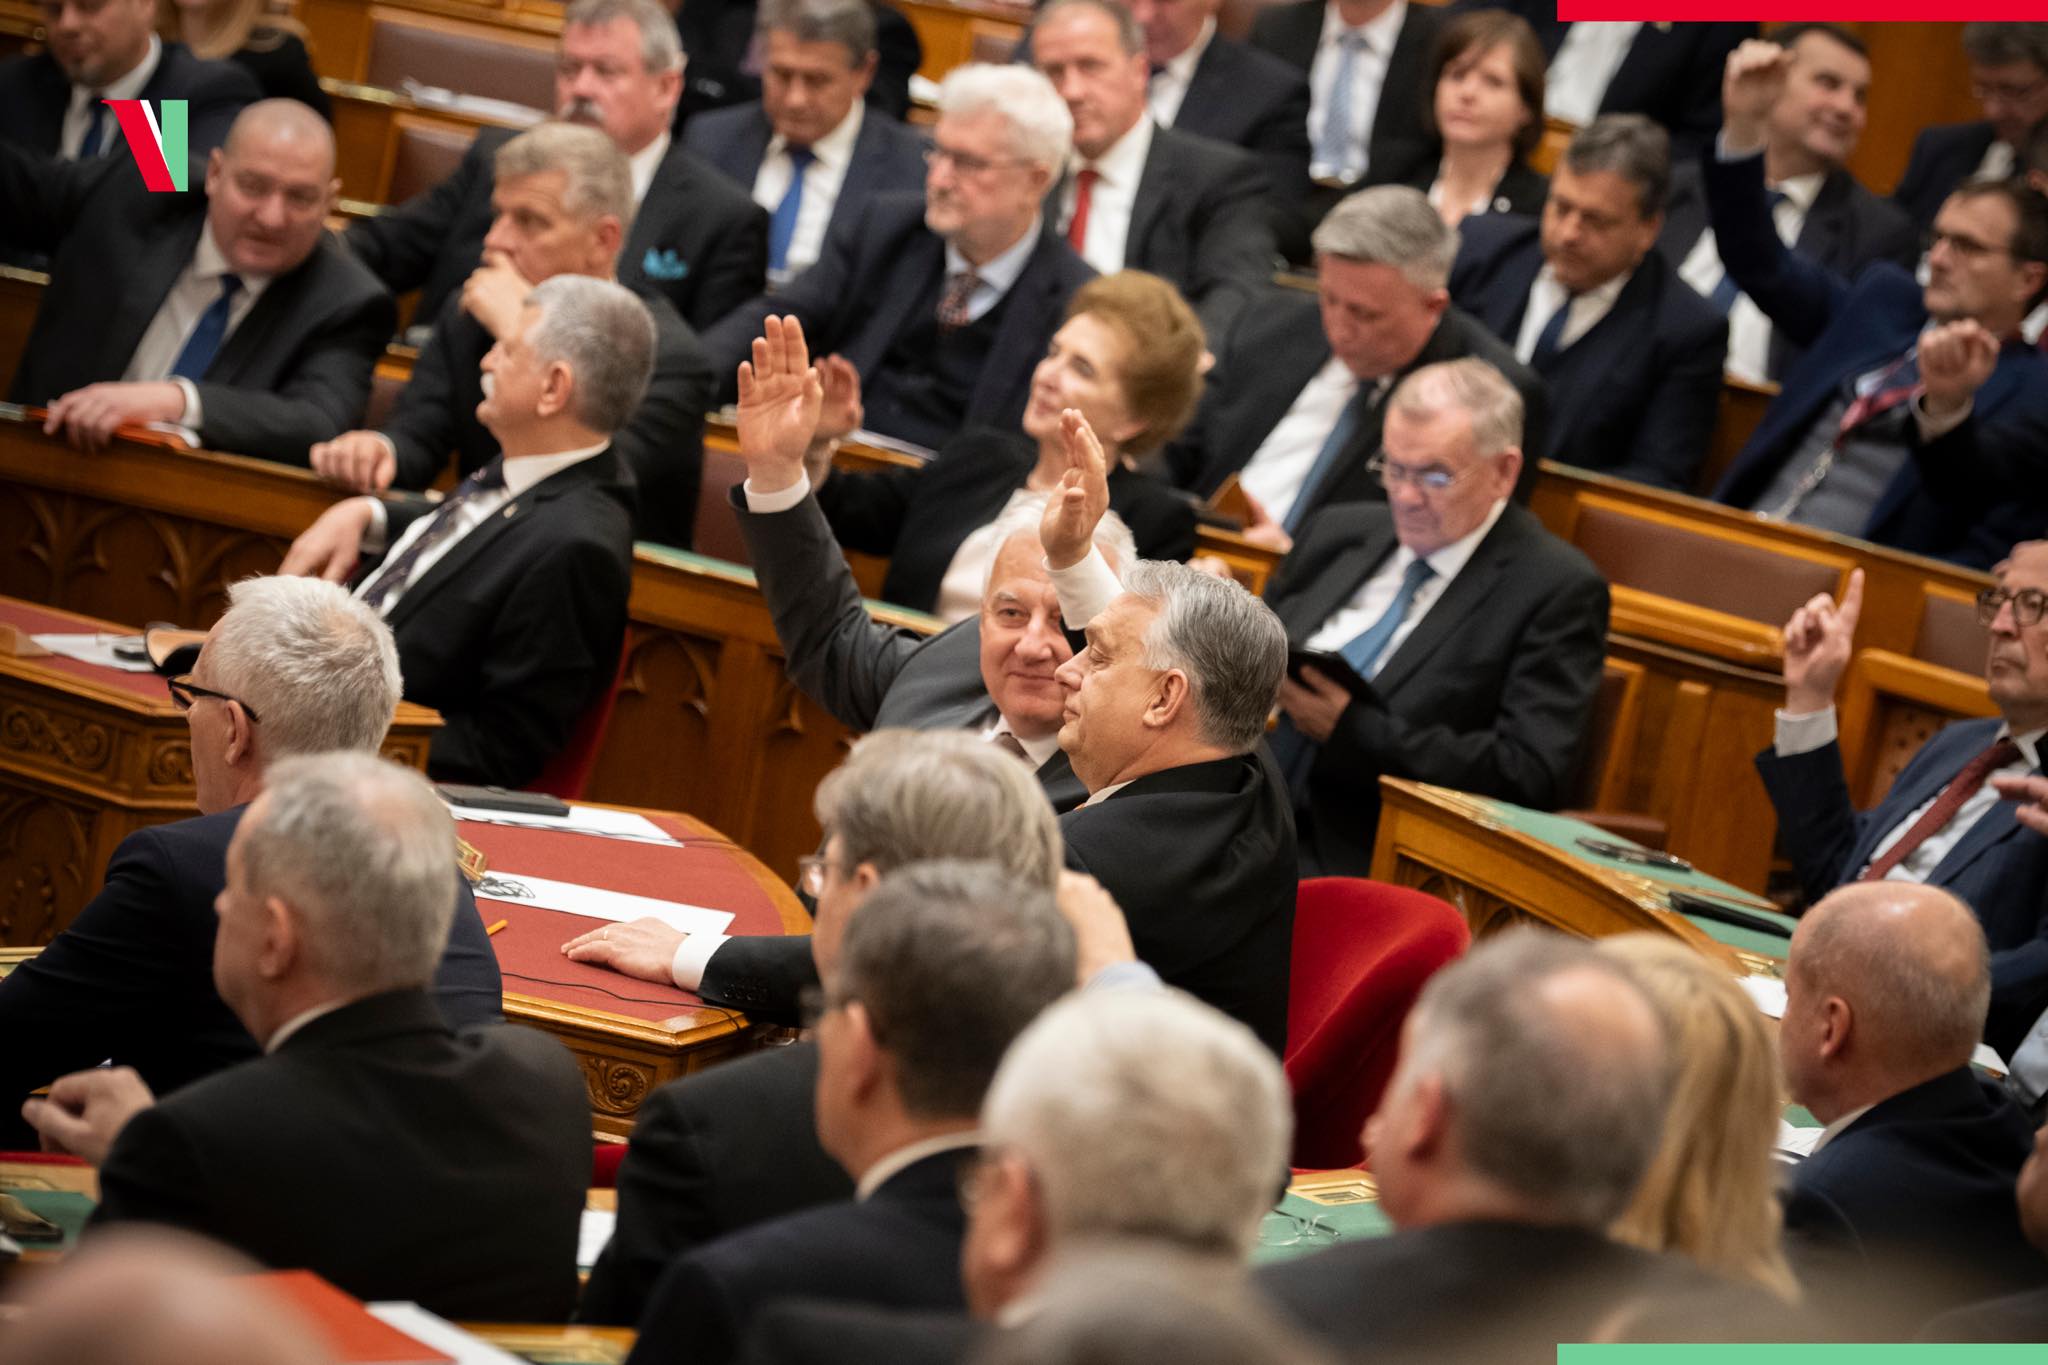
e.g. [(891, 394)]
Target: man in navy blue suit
[(1917, 417), (1942, 823), (2009, 76), (1905, 1207)]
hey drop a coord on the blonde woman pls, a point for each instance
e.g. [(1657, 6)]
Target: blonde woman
[(1708, 1193), (259, 35)]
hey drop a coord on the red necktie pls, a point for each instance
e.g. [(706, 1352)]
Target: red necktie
[(1959, 790), (1894, 387), (1084, 193)]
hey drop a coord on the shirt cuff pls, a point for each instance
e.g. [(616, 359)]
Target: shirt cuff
[(1085, 588), (1802, 734), (377, 535), (193, 416), (1934, 428), (1125, 976), (781, 500), (693, 955), (1721, 152)]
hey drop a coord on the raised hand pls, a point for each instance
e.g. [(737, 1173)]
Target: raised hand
[(1818, 641), (1075, 508), (1956, 358), (842, 412), (781, 396), (1751, 84)]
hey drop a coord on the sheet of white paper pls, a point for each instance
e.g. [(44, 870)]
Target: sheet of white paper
[(597, 1230), (580, 820), (1797, 1141), (430, 1329), (92, 649), (1985, 1057), (517, 888), (1768, 992)]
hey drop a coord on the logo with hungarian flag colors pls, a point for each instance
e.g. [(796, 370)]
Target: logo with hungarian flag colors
[(156, 139)]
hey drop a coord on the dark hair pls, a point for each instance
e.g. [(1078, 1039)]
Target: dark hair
[(1633, 147), (1792, 33), (2029, 208), (1477, 32), (1989, 44)]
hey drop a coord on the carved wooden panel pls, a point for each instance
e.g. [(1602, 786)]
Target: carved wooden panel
[(657, 749), (46, 846)]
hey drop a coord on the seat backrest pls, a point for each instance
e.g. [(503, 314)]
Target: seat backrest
[(1603, 778), (1702, 565), (1741, 409), (1891, 706), (568, 772), (1362, 951), (717, 532), (384, 390), (1950, 633), (453, 58), (422, 156)]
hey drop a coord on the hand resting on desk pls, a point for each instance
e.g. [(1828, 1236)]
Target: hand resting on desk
[(645, 948)]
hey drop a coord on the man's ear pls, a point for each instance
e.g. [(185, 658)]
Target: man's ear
[(1837, 1027), (280, 951), (1012, 1222), (557, 389), (867, 1066), (1170, 695), (241, 746)]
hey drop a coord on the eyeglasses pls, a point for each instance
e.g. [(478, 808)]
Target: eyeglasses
[(810, 873), (2029, 605), (1282, 1228), (1431, 480), (967, 163), (813, 1003), (1968, 248), (1985, 92), (185, 692)]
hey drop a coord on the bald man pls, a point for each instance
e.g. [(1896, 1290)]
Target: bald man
[(229, 314), (1905, 1208)]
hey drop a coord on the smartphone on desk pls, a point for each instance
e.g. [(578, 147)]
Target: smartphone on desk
[(1335, 667), (498, 798)]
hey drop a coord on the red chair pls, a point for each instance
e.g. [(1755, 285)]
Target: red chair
[(1362, 950), (568, 772), (605, 1157)]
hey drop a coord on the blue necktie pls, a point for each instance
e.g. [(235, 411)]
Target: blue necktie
[(1332, 451), (95, 140), (1726, 292), (1333, 149), (207, 333), (1553, 332), (782, 225)]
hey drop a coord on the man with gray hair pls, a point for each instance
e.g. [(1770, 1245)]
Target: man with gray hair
[(945, 965), (368, 1113), (508, 599), (1905, 1207), (1520, 1117), (560, 203), (811, 150), (1632, 356), (694, 238), (943, 303), (1300, 394), (295, 666)]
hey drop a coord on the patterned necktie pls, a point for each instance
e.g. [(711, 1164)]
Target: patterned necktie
[(953, 303), (782, 225), (1333, 149), (207, 334), (1960, 789), (95, 139), (1549, 340), (395, 577), (1084, 197)]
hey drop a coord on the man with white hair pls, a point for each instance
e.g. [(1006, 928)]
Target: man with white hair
[(295, 666), (508, 599), (368, 1113), (943, 302)]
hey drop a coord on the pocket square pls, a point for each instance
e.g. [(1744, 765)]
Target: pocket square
[(663, 265)]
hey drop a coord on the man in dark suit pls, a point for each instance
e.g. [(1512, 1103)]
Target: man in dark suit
[(1477, 636), (1518, 1064), (943, 303), (2014, 1317), (1632, 358), (735, 1145), (230, 314), (1670, 73), (1918, 415), (810, 151), (1817, 208), (719, 38), (509, 598), (1188, 209), (1905, 1207), (562, 195), (1364, 61), (2009, 75), (945, 965), (695, 238), (1942, 822), (130, 978), (50, 103), (368, 1111), (1300, 394)]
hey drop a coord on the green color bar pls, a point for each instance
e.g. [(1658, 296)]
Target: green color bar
[(170, 117)]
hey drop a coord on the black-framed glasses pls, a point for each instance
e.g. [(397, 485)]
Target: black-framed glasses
[(185, 692), (2029, 605), (1434, 479)]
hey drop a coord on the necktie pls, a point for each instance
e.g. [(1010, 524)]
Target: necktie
[(95, 140), (1010, 744), (1960, 788), (1898, 383), (393, 578), (1326, 458), (1084, 198), (782, 225), (207, 333), (953, 303), (1547, 341), (1363, 653), (1727, 291), (1333, 149)]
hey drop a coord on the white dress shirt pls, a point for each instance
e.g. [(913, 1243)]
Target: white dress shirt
[(195, 290), (1998, 162), (903, 1158), (84, 101), (831, 155), (1546, 296), (1114, 197), (1170, 83), (1368, 74), (996, 275), (1749, 331), (644, 163), (1278, 468), (1377, 593), (1584, 67), (521, 474)]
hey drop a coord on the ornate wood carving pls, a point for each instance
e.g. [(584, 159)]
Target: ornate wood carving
[(45, 851), (616, 1086), (70, 740)]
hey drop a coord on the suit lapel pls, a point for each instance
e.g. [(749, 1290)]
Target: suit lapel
[(1994, 827), (1154, 189), (746, 153), (667, 200), (1304, 351), (924, 256), (1463, 597), (1825, 221), (1022, 324), (1959, 741), (162, 256), (1335, 586), (250, 342)]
